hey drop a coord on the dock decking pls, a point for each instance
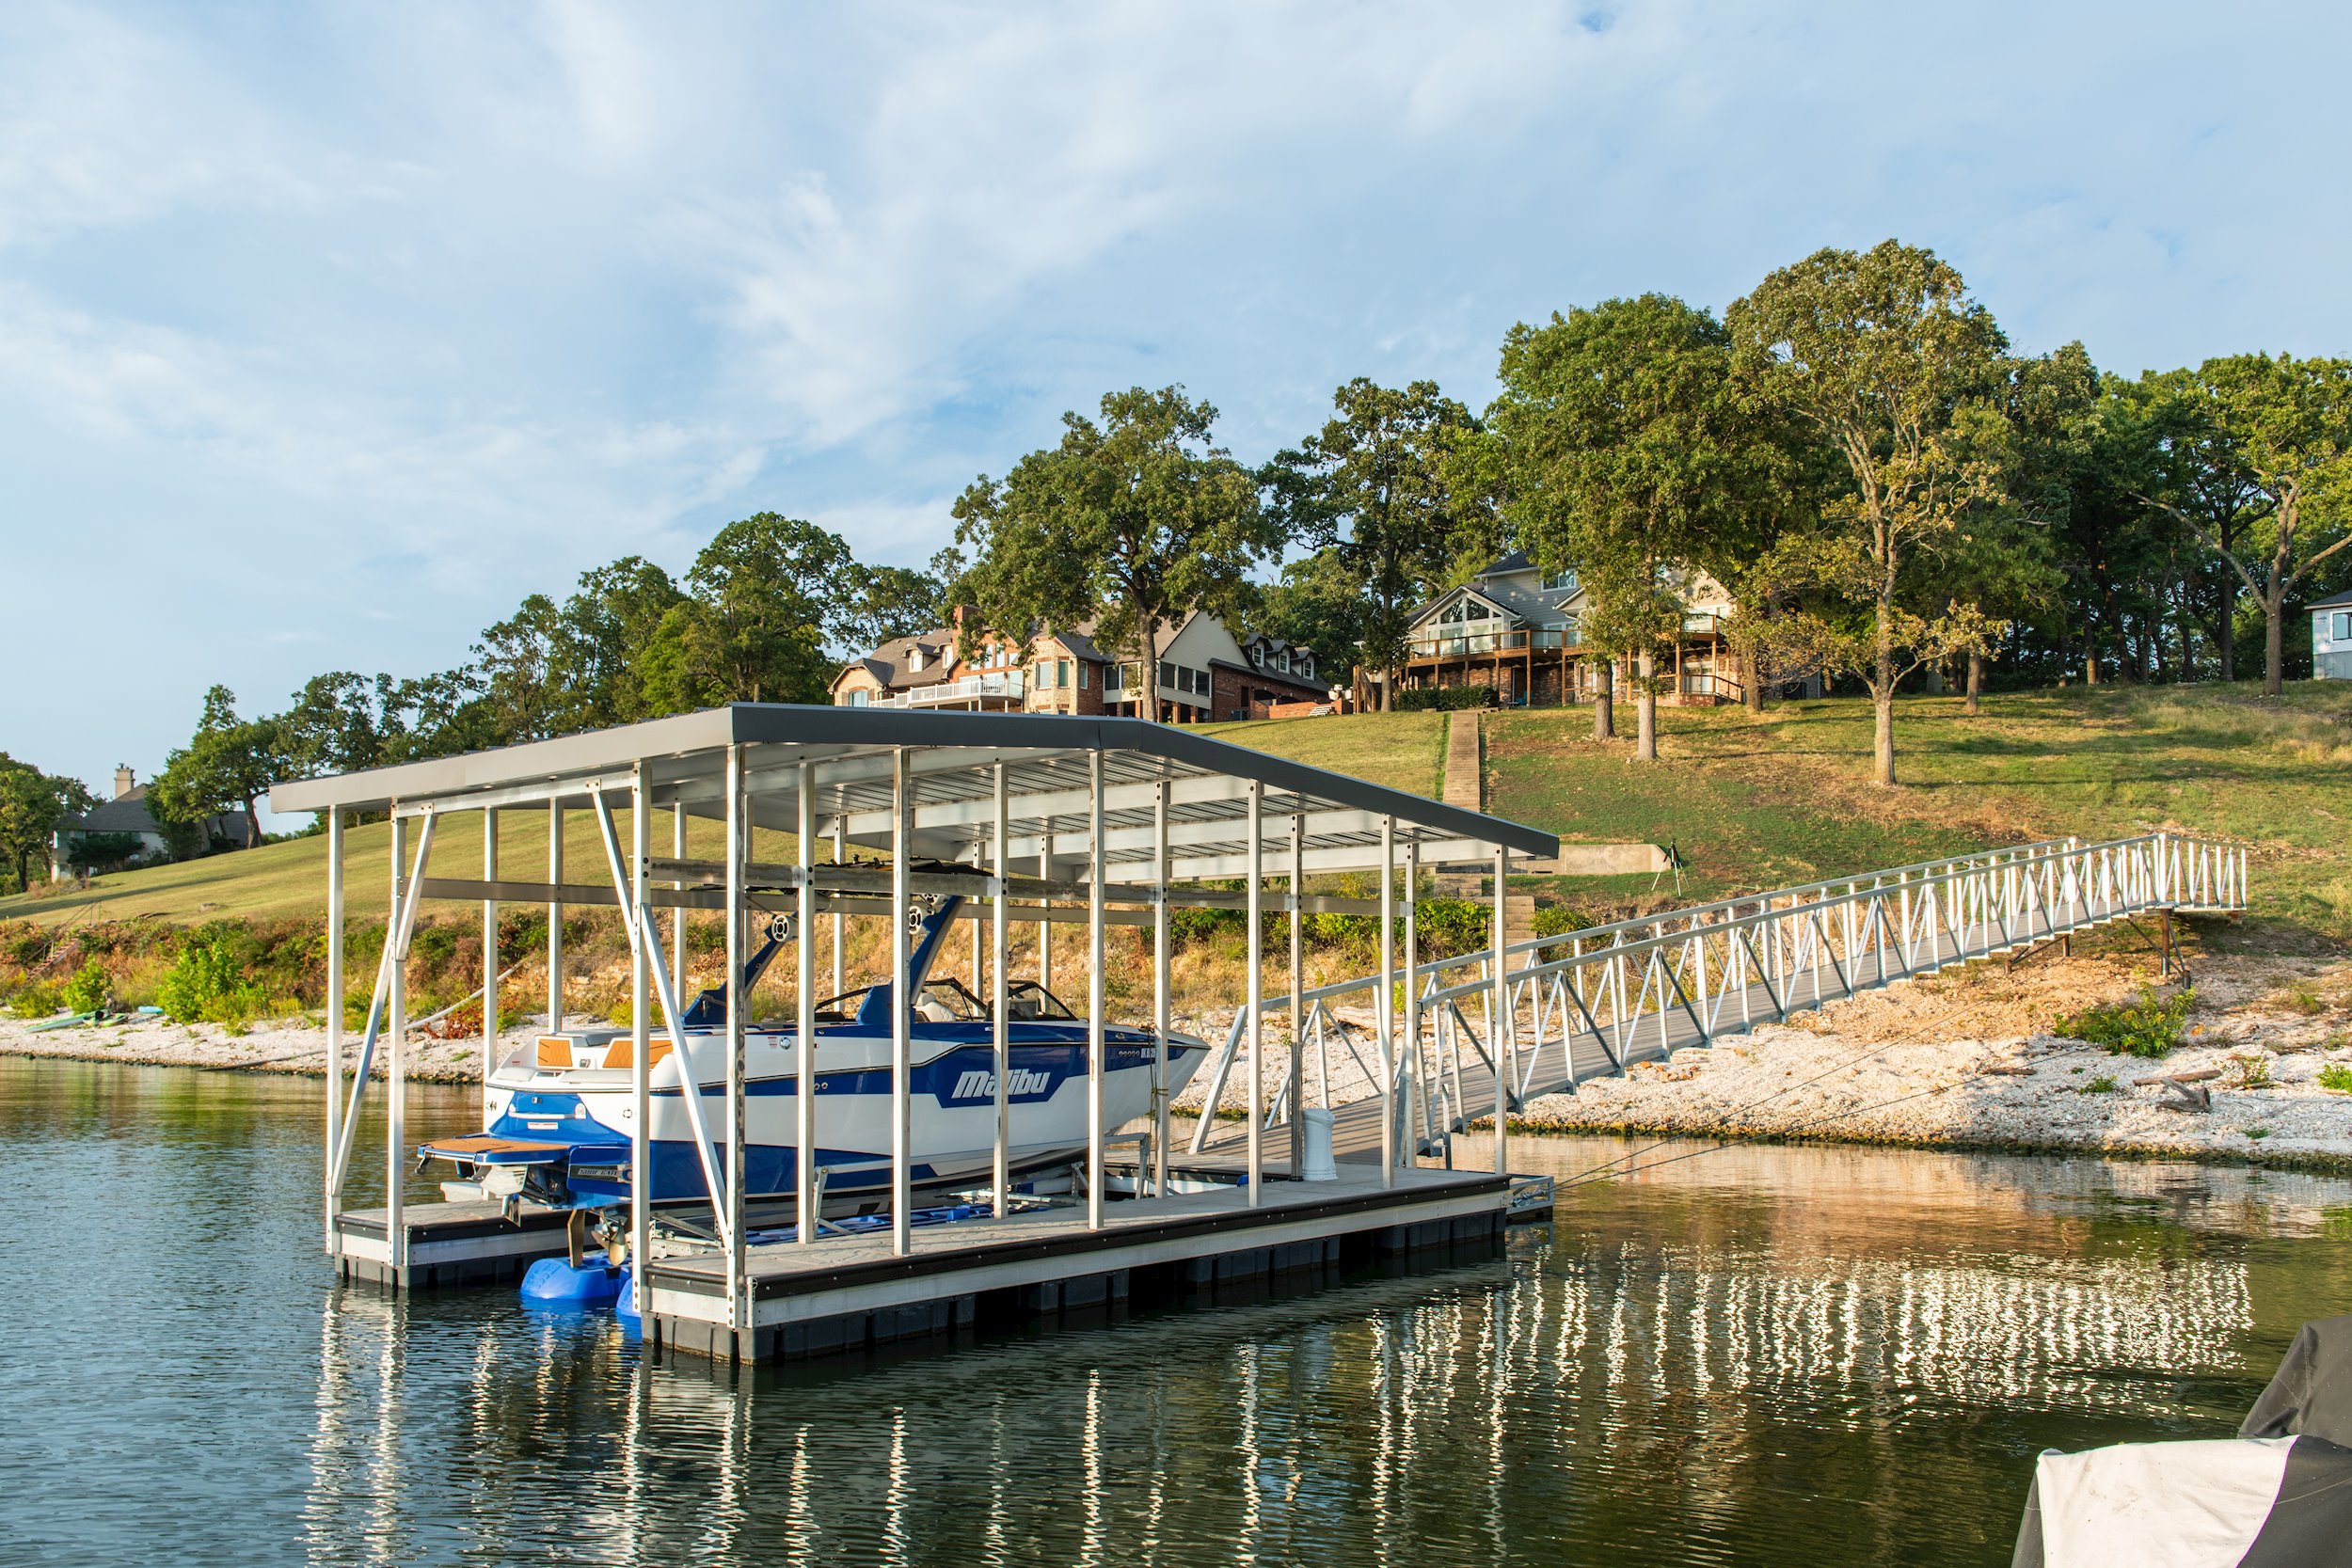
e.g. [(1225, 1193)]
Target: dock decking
[(848, 1292)]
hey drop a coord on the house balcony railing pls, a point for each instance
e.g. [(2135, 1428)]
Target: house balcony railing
[(1473, 645), (1478, 644), (1010, 688)]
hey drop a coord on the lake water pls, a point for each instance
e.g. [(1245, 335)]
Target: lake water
[(1756, 1355)]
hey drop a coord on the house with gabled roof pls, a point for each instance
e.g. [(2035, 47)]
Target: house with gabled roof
[(127, 816), (1206, 672), (1519, 632)]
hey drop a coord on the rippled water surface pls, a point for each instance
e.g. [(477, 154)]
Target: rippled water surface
[(1809, 1357)]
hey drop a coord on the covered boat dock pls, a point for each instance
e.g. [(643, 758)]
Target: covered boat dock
[(1044, 818)]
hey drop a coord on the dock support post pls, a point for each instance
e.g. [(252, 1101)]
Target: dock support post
[(1294, 1082), (1501, 1027), (489, 956), (901, 1005), (804, 1012), (555, 917), (1254, 994), (396, 1061), (1096, 1044), (1045, 926), (641, 1043), (738, 1013), (1384, 1004), (999, 950), (334, 1016), (1417, 1105), (677, 916), (839, 984), (1159, 991)]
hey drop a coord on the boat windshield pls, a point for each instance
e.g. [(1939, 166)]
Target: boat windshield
[(949, 1000)]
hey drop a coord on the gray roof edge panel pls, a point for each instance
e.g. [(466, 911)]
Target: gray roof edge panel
[(593, 752), (785, 724)]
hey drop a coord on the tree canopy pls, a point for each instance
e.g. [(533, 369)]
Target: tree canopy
[(32, 803), (1881, 353), (1127, 524), (1375, 486), (1632, 457)]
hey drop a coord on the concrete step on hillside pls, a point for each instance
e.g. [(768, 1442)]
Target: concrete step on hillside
[(1464, 784)]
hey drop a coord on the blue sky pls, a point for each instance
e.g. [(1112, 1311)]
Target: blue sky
[(326, 335)]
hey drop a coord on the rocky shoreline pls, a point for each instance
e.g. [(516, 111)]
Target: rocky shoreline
[(1959, 1062)]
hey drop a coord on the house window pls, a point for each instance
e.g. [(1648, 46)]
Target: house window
[(857, 698), (2344, 627), (1082, 677), (1257, 655), (1286, 661)]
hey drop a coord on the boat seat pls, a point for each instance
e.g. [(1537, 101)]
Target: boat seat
[(932, 1011)]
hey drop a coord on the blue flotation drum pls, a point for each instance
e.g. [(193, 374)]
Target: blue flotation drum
[(554, 1282)]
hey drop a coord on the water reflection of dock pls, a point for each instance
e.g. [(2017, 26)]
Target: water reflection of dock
[(1632, 1380)]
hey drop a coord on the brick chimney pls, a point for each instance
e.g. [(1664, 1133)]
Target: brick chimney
[(124, 780)]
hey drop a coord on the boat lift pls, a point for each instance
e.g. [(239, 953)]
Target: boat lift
[(1123, 819)]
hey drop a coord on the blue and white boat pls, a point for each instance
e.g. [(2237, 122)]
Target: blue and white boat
[(561, 1125)]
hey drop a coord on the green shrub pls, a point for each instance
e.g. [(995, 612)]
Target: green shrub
[(206, 984), (2336, 1076), (88, 991), (2149, 1026), (34, 999), (1557, 920), (1442, 699), (1450, 925), (2104, 1084)]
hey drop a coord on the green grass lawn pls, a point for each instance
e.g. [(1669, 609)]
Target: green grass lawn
[(1750, 804), (289, 879), (1764, 804), (1400, 751)]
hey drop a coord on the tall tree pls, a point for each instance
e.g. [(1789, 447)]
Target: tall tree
[(2037, 440), (893, 601), (609, 624), (2192, 470), (1132, 522), (1632, 454), (1315, 601), (1376, 484), (2281, 427), (229, 764), (32, 803), (333, 726), (768, 594), (1878, 353)]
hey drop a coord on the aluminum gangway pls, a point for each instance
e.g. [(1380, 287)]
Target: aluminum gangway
[(1593, 1003)]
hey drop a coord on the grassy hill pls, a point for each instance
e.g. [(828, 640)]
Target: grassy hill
[(1750, 804), (289, 880), (1788, 800)]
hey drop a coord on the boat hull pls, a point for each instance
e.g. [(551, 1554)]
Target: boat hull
[(572, 1130)]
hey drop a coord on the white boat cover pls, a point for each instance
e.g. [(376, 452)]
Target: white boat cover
[(2278, 1495)]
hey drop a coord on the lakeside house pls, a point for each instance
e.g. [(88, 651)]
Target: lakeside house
[(2331, 638), (1514, 629), (127, 816), (1206, 672)]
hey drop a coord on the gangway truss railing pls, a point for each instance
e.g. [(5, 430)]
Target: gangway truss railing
[(1593, 1001)]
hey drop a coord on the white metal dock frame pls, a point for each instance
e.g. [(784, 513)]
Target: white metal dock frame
[(1121, 818)]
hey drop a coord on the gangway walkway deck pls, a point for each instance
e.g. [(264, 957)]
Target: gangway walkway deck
[(1594, 1003)]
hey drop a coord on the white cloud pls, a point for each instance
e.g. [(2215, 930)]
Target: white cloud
[(320, 312)]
